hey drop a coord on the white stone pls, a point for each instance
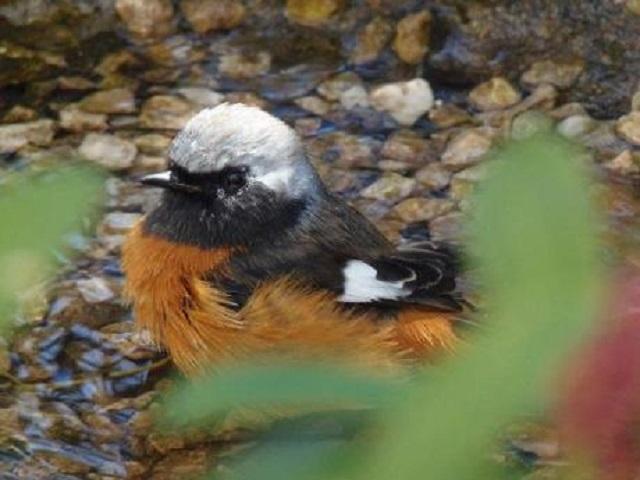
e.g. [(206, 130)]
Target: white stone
[(95, 290), (108, 150), (406, 102)]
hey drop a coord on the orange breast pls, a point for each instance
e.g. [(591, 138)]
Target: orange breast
[(169, 299), (194, 322)]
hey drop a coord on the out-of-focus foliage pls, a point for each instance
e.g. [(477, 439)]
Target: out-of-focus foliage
[(36, 212), (533, 247)]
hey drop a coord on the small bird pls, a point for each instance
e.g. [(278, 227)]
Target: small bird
[(248, 253)]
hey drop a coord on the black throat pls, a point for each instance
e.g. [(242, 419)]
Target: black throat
[(207, 222)]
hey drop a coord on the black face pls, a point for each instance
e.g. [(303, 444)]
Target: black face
[(220, 208), (223, 184)]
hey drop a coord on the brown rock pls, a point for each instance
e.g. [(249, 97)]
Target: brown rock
[(312, 13), (313, 104), (624, 164), (495, 94), (153, 143), (117, 100), (75, 120), (605, 140), (333, 88), (448, 115), (248, 98), (628, 127), (434, 176), (407, 146), (371, 40), (108, 150), (165, 112), (245, 65), (75, 83), (390, 187), (146, 18), (189, 463), (635, 101), (19, 114), (205, 97), (17, 135), (559, 74), (465, 149), (209, 15), (423, 209), (412, 37)]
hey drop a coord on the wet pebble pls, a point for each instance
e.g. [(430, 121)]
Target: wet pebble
[(95, 290), (576, 126), (446, 115), (165, 112), (75, 83), (201, 96), (152, 163), (495, 94), (391, 187), (333, 88), (313, 104), (423, 209), (116, 100), (349, 151), (529, 123), (312, 13), (74, 119), (434, 176), (635, 101), (19, 114), (119, 222), (108, 150), (406, 102), (605, 140), (241, 65), (210, 15), (567, 110), (559, 74), (248, 98), (353, 97), (411, 43), (308, 127), (465, 149), (628, 127), (152, 143), (624, 164), (15, 136), (371, 40), (410, 147), (146, 18)]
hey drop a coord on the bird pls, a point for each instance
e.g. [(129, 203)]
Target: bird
[(248, 253)]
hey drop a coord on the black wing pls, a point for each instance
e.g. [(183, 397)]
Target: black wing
[(337, 249)]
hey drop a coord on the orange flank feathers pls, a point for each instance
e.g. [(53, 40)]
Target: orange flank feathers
[(198, 326)]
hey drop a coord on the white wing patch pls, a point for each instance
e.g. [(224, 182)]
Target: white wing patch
[(361, 285)]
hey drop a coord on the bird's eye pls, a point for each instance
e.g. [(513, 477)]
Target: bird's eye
[(235, 180)]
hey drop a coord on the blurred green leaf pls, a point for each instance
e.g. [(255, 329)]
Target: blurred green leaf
[(36, 212), (305, 448), (275, 384), (534, 241)]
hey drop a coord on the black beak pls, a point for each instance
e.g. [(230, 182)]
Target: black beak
[(164, 180)]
